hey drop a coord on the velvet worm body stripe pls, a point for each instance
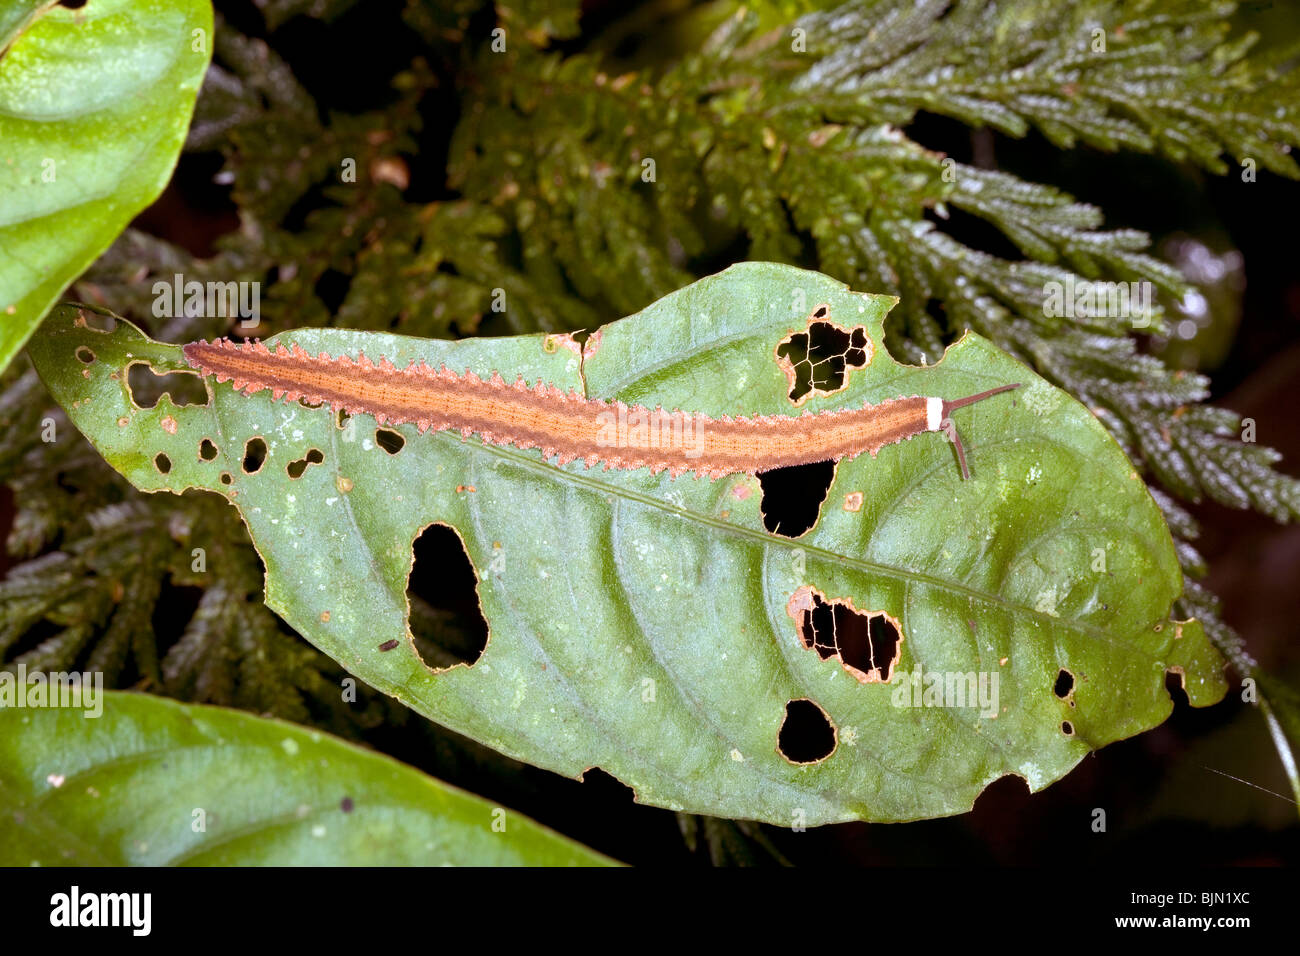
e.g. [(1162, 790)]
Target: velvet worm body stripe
[(567, 426)]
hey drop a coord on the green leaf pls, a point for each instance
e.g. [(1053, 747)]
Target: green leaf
[(640, 623), (540, 20), (94, 106), (1281, 706), (152, 782)]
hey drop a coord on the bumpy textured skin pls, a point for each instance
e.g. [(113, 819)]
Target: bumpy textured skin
[(563, 425)]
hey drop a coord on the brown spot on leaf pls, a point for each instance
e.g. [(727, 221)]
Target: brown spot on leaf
[(168, 425), (853, 501), (563, 340)]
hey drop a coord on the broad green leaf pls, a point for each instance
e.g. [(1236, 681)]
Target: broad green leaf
[(151, 782), (639, 623), (94, 106)]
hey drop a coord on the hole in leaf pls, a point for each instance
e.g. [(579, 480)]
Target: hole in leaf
[(343, 417), (390, 441), (807, 734), (162, 463), (1064, 684), (870, 648), (1067, 728), (935, 309), (919, 337), (793, 496), (1176, 686), (866, 643), (603, 784), (442, 592), (1004, 798), (72, 4), (96, 321), (254, 455), (85, 355), (227, 477), (207, 450), (297, 467), (817, 361), (147, 386)]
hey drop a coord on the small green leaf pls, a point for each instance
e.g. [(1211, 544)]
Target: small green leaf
[(1281, 706), (643, 624), (94, 106), (151, 782)]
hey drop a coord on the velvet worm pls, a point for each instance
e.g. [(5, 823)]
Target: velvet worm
[(568, 426)]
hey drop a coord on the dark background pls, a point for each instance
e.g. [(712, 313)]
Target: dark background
[(1186, 792)]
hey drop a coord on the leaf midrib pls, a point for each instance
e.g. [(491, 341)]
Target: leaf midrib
[(762, 537)]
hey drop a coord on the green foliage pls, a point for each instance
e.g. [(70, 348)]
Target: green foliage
[(93, 111), (1096, 72), (583, 575), (149, 782), (759, 152)]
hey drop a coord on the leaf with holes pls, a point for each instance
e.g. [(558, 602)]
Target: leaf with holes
[(94, 106), (912, 646), (150, 782)]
